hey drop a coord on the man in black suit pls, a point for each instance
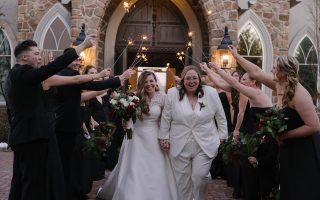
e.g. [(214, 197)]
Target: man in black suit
[(68, 118), (29, 133)]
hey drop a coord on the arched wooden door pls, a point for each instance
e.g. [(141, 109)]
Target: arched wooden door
[(165, 28)]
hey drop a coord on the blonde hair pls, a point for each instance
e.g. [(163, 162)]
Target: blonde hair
[(141, 92), (288, 66)]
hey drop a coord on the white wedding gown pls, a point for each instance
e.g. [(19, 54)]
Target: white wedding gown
[(143, 171)]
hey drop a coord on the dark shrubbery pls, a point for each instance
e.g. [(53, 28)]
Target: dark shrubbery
[(4, 126)]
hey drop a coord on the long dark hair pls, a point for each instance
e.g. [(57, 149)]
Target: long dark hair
[(234, 93), (182, 90)]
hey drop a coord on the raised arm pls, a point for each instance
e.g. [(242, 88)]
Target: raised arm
[(37, 75), (253, 70), (245, 90), (216, 79), (87, 95), (57, 80), (109, 83), (243, 101)]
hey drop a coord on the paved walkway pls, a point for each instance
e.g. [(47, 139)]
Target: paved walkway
[(217, 188)]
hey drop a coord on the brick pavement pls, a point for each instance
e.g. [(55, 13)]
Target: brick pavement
[(217, 188)]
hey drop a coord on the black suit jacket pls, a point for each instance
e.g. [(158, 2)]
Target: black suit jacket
[(25, 101), (68, 97)]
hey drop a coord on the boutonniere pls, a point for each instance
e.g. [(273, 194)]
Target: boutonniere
[(202, 105)]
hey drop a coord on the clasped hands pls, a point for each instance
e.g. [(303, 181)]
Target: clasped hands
[(164, 145)]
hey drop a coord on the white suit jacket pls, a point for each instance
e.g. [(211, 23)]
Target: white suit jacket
[(179, 121)]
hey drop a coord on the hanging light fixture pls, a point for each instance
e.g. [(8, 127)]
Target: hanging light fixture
[(87, 56), (222, 55)]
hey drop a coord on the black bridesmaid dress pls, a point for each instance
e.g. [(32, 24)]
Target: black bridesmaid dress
[(258, 182), (299, 163)]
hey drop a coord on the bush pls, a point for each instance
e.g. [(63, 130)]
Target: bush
[(4, 127)]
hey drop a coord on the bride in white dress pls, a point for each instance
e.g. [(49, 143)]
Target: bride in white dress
[(143, 171)]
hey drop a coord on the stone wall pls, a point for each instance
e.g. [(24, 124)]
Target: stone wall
[(30, 12), (96, 13), (275, 16)]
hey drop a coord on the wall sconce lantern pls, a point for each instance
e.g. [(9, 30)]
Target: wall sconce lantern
[(88, 56), (222, 54)]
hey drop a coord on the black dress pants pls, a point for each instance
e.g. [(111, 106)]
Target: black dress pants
[(29, 171), (66, 143)]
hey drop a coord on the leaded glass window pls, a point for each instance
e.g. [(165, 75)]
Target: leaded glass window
[(57, 38), (249, 45), (5, 59), (307, 57)]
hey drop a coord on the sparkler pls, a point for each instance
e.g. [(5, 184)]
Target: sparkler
[(130, 42), (140, 56), (189, 44), (180, 56)]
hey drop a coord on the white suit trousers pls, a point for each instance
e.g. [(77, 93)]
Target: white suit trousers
[(192, 171)]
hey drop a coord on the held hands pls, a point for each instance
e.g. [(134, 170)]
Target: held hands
[(213, 65), (204, 67), (233, 50), (126, 75), (89, 41), (164, 145), (253, 161), (235, 135), (105, 73)]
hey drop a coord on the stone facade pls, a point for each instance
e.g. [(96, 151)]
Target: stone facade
[(275, 16), (30, 12), (219, 13)]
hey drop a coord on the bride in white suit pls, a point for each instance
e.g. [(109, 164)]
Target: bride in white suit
[(188, 131), (144, 171)]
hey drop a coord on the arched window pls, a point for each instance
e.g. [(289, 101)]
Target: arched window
[(308, 61), (249, 45), (5, 59), (57, 38)]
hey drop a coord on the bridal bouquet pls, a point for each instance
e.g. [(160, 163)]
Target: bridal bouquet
[(238, 152), (100, 139), (124, 106), (272, 122)]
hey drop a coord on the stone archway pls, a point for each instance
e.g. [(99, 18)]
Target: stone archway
[(104, 16), (119, 13)]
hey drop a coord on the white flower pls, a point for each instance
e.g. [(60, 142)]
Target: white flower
[(136, 98), (113, 102), (116, 95), (124, 102), (130, 98)]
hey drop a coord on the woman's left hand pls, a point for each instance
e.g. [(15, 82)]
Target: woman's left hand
[(164, 144), (253, 161)]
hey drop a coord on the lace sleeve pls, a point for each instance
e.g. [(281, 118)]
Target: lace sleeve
[(159, 99)]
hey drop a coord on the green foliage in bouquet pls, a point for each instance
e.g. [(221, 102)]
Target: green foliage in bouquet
[(272, 122), (100, 139), (238, 152), (230, 150), (249, 146)]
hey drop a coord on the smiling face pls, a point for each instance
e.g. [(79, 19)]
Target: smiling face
[(236, 75), (247, 81), (32, 57), (75, 65), (191, 81), (92, 71), (150, 84)]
